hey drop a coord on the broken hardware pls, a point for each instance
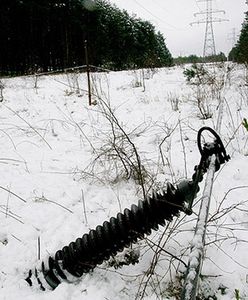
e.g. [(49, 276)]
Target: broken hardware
[(82, 255)]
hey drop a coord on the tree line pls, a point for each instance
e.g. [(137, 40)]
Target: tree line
[(239, 52), (44, 35), (193, 59)]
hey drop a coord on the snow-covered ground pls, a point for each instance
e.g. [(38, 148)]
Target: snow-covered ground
[(60, 177)]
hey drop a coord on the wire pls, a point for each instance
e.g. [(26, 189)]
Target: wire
[(161, 20), (197, 249), (165, 9), (197, 5)]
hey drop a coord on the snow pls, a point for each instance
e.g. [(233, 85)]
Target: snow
[(53, 156)]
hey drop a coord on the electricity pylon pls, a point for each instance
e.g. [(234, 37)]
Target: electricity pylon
[(209, 42), (233, 36)]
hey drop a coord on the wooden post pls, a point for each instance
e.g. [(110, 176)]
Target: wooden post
[(1, 91), (87, 70)]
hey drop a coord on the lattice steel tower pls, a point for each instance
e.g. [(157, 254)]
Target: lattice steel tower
[(233, 36), (209, 41)]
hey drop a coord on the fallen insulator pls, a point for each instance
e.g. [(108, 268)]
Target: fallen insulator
[(82, 255)]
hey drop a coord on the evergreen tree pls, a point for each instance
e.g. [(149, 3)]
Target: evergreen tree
[(240, 52), (49, 35)]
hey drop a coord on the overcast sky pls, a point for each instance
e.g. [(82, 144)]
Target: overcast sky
[(173, 18)]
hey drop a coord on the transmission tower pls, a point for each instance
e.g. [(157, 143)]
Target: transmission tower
[(233, 36), (209, 19)]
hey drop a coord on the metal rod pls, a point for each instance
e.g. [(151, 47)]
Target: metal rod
[(191, 283), (190, 288)]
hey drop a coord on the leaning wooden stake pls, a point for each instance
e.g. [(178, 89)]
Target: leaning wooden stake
[(87, 70), (1, 91)]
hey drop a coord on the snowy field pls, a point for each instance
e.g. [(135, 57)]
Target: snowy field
[(61, 176)]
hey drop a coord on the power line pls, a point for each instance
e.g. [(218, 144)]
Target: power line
[(197, 5), (159, 5), (161, 20), (196, 257)]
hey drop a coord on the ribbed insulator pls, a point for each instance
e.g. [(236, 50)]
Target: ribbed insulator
[(112, 236)]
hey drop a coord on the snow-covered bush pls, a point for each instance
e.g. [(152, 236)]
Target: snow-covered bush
[(207, 83)]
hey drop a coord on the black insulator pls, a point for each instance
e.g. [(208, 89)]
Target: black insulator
[(112, 236)]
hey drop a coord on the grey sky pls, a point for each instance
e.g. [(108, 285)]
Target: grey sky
[(173, 18)]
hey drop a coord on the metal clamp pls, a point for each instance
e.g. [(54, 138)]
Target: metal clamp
[(189, 188)]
